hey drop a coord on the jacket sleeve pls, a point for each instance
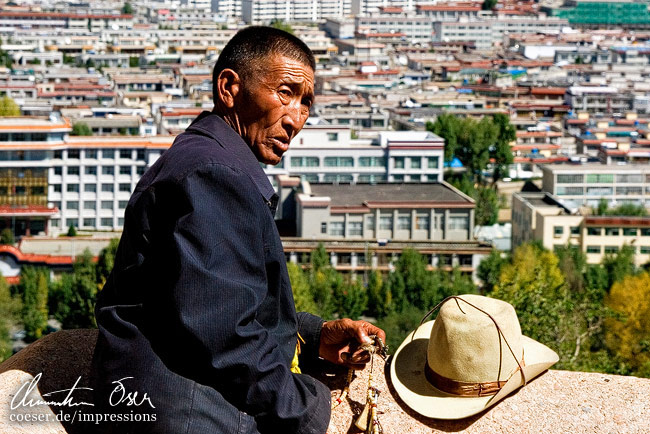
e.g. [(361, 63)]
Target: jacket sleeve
[(219, 286)]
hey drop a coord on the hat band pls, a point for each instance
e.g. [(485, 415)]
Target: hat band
[(464, 388)]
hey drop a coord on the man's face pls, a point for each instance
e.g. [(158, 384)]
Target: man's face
[(274, 106)]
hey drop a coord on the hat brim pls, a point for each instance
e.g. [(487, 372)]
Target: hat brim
[(410, 383)]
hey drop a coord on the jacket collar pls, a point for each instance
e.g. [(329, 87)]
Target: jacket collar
[(214, 126)]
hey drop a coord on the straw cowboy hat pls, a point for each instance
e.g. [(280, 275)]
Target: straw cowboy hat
[(471, 357)]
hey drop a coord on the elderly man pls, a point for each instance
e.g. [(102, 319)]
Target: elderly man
[(197, 323)]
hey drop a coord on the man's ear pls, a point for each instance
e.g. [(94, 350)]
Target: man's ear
[(228, 87)]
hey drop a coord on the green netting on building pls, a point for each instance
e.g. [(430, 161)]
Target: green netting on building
[(611, 13)]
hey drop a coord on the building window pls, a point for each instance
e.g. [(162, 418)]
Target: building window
[(106, 221), (122, 204), (339, 162), (629, 178), (58, 155), (371, 162), (90, 204), (89, 222), (558, 231), (612, 231), (332, 137), (323, 227), (90, 188), (73, 154), (140, 170), (595, 231), (404, 222), (73, 170), (432, 178), (125, 188), (355, 228), (422, 222), (611, 249), (399, 162), (336, 229), (602, 178), (645, 250), (72, 204), (645, 232), (91, 153), (108, 170), (125, 154), (90, 170), (458, 223), (386, 222), (570, 179), (416, 163), (433, 163), (57, 188), (72, 222), (304, 162), (575, 230), (58, 170), (125, 170), (120, 222), (140, 155), (398, 178), (593, 249), (370, 223), (630, 232), (72, 188), (107, 188), (107, 204), (108, 153)]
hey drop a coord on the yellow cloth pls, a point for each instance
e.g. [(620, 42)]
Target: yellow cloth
[(294, 363)]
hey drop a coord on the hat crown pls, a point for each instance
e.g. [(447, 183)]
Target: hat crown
[(466, 345)]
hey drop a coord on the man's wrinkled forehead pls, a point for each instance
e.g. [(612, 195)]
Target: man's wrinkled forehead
[(262, 65)]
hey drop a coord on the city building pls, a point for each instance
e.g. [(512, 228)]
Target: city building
[(543, 217), (587, 184)]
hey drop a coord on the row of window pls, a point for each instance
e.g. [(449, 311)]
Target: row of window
[(126, 154), (416, 162), (601, 191), (92, 205), (21, 190), (644, 250), (386, 223), (92, 188), (602, 178), (630, 232), (88, 222), (105, 170), (400, 162)]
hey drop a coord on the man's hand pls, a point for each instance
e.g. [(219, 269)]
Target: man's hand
[(340, 341)]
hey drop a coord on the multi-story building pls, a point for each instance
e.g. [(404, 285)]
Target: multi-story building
[(587, 184), (264, 11), (599, 99), (543, 217), (50, 180), (326, 153)]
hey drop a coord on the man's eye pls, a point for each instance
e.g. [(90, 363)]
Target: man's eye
[(285, 92)]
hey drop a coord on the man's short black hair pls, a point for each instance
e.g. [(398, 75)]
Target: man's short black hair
[(244, 52)]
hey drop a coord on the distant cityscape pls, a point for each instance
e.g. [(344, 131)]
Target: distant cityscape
[(92, 93)]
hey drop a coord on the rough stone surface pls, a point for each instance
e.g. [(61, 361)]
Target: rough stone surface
[(556, 401)]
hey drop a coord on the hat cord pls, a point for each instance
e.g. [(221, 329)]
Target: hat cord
[(500, 332)]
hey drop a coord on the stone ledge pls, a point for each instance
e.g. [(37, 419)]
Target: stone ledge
[(556, 401)]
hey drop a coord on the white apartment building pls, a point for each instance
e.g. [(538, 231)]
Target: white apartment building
[(417, 29), (227, 8), (587, 184), (264, 11), (542, 217), (326, 153), (50, 180)]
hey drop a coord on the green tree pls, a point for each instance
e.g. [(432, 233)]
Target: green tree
[(501, 153), (487, 206), (350, 299), (302, 295), (127, 9), (81, 129), (105, 262), (489, 270), (74, 294), (34, 289), (420, 284), (398, 325), (619, 265), (319, 258), (10, 312), (446, 126), (72, 231), (628, 334), (379, 296), (7, 237), (134, 61), (8, 107), (279, 24), (488, 5)]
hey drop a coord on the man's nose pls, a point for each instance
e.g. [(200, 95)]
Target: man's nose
[(294, 116)]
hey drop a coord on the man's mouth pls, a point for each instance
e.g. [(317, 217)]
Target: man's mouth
[(280, 143)]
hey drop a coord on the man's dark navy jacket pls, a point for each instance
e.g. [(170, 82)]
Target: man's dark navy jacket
[(198, 309)]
